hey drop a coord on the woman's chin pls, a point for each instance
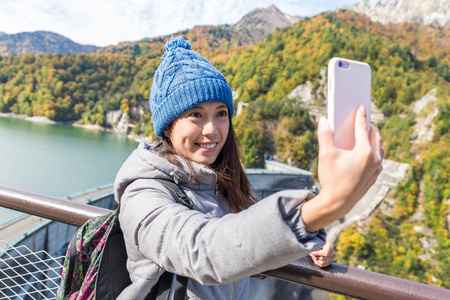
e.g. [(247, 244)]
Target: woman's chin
[(205, 159)]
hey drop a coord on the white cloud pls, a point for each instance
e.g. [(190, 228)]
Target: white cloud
[(105, 22)]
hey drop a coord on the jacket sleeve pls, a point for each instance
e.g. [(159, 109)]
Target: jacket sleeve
[(215, 250)]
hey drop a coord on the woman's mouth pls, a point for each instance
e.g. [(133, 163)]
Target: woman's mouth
[(207, 146)]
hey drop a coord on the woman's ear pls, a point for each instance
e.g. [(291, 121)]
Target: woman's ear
[(167, 132)]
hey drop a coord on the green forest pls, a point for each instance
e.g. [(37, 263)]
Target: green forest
[(407, 61)]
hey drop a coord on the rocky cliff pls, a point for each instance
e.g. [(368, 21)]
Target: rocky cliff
[(430, 12)]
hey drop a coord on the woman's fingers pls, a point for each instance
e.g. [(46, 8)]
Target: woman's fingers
[(322, 261), (325, 135), (324, 256), (368, 149), (377, 142), (377, 147), (326, 250)]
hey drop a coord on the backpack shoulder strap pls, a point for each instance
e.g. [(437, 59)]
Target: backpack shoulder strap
[(71, 257), (162, 289), (176, 191)]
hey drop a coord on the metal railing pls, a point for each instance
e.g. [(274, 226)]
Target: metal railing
[(27, 274), (339, 279)]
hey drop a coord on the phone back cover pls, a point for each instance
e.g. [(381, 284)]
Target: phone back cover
[(347, 89)]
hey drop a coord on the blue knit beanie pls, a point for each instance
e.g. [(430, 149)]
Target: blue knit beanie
[(184, 79)]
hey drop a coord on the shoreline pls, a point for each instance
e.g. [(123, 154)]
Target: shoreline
[(92, 127)]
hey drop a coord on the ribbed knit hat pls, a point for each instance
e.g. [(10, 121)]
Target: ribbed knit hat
[(184, 79)]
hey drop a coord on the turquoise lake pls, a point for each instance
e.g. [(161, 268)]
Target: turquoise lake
[(58, 160)]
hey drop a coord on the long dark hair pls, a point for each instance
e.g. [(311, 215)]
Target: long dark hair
[(231, 178)]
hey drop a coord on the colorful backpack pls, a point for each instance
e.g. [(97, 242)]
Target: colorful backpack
[(95, 264)]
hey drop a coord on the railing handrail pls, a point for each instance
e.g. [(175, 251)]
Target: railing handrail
[(53, 208), (340, 279)]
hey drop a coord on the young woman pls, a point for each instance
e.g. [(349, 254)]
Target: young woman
[(228, 236)]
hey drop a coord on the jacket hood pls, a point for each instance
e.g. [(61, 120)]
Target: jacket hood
[(146, 163)]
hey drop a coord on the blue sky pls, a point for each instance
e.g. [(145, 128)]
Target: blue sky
[(106, 22)]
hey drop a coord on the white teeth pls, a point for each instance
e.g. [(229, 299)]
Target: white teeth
[(208, 146)]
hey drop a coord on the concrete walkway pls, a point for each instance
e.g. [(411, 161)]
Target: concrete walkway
[(23, 224)]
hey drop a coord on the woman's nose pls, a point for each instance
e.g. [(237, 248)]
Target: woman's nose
[(209, 128)]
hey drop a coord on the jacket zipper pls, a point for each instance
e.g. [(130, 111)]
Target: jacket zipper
[(175, 177), (216, 191)]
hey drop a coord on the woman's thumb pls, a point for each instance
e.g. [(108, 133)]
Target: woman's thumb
[(361, 130)]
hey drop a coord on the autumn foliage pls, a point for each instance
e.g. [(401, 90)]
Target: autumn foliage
[(407, 61)]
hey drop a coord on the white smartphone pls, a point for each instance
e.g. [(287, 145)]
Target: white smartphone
[(349, 86)]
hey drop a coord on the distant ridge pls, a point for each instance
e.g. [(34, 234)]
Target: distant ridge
[(39, 42), (252, 28), (429, 12)]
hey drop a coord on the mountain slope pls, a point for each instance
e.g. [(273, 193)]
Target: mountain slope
[(430, 12), (39, 42)]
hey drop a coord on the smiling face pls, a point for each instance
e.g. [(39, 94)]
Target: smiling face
[(200, 132)]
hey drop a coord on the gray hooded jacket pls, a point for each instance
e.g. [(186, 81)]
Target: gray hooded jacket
[(216, 249)]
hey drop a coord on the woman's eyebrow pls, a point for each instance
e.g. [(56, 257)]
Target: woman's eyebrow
[(200, 106), (196, 107)]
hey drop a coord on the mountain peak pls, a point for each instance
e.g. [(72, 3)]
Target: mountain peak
[(430, 12), (262, 22)]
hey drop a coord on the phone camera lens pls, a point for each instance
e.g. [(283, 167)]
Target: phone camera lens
[(340, 64)]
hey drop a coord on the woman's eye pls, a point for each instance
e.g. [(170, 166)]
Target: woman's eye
[(195, 115), (222, 113)]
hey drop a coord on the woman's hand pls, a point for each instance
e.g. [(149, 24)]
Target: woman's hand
[(345, 175), (324, 256)]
